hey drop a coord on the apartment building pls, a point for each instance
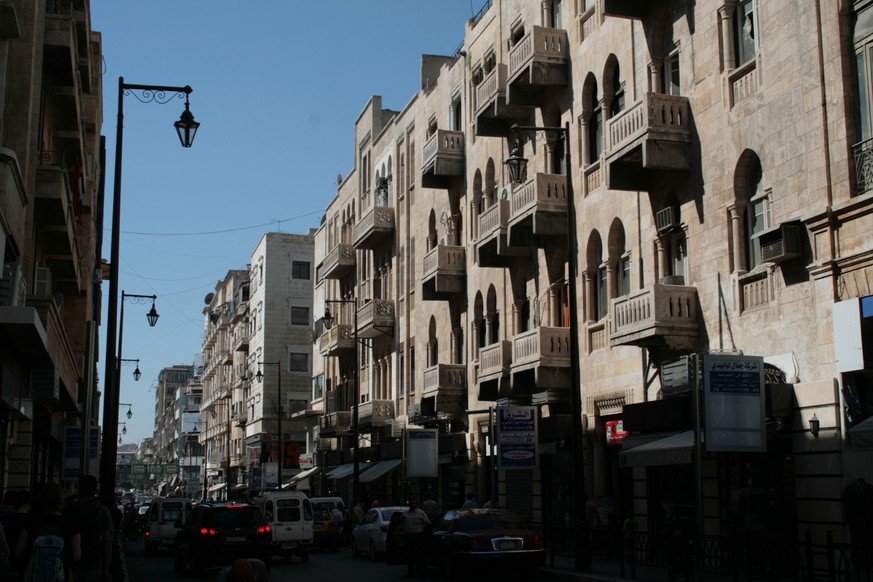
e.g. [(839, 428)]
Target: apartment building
[(258, 372), (51, 216), (716, 162)]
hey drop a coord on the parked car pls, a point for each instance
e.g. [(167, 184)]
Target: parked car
[(218, 533), (478, 539), (159, 529), (289, 515), (324, 534), (370, 535)]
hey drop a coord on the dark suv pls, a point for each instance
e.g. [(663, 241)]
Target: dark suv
[(216, 534)]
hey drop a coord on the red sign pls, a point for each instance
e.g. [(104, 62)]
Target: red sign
[(615, 432)]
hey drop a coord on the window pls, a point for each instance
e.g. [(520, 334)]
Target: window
[(556, 14), (299, 315), (298, 362), (300, 270), (401, 372), (411, 369), (623, 276), (455, 120), (671, 74), (602, 292), (676, 255), (747, 28), (595, 131), (757, 220)]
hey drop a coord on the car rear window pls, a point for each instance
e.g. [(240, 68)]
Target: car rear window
[(232, 517), (387, 513), (320, 514), (171, 511), (491, 521)]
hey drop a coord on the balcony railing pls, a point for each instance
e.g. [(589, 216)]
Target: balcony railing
[(543, 54), (863, 155), (495, 360), (539, 207), (335, 423), (339, 261), (491, 89), (375, 413), (445, 379), (494, 220), (374, 227), (542, 346), (657, 315), (442, 158), (337, 340), (444, 272), (653, 133), (376, 318)]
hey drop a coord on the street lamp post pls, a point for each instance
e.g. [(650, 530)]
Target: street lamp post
[(186, 128), (328, 321), (260, 377), (129, 409), (136, 373), (517, 166)]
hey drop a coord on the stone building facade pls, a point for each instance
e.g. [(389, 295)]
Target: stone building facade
[(51, 217), (717, 162)]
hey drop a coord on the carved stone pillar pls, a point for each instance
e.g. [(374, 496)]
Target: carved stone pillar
[(661, 250), (726, 15), (590, 277), (738, 213)]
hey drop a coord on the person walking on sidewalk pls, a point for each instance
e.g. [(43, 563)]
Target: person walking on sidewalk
[(94, 521), (413, 527)]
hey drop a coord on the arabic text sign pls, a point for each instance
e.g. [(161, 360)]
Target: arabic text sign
[(516, 437), (734, 399)]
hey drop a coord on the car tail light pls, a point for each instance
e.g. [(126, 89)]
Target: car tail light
[(472, 544), (264, 529), (383, 529), (537, 541), (208, 531), (148, 533)]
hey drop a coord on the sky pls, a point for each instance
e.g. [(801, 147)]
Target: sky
[(277, 88)]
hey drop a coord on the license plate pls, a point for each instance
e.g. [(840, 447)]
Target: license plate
[(236, 538), (506, 544)]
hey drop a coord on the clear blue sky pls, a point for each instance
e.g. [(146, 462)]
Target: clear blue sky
[(278, 85)]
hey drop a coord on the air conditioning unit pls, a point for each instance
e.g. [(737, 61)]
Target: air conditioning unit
[(13, 287), (780, 243), (43, 284), (667, 219)]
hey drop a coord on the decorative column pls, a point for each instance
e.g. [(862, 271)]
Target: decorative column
[(661, 251), (737, 213), (474, 329), (656, 66), (726, 20), (590, 304)]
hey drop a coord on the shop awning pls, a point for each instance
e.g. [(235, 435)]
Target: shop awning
[(642, 451), (217, 487), (380, 469), (344, 471), (305, 474)]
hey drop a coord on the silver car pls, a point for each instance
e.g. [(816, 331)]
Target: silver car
[(369, 536)]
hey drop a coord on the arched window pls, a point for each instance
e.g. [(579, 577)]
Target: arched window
[(433, 345), (750, 215), (618, 263), (595, 120)]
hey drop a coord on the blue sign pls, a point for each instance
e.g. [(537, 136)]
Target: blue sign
[(516, 437)]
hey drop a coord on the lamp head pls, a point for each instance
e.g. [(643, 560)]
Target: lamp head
[(130, 411), (814, 425), (152, 315), (186, 127), (259, 376), (517, 165), (136, 376), (328, 318)]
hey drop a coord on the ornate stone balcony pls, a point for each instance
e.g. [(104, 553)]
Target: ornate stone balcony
[(375, 413), (375, 318), (374, 228), (492, 243), (338, 340), (335, 423), (442, 159), (445, 272), (540, 59), (538, 210), (338, 262), (446, 384), (658, 316), (55, 214), (494, 116), (495, 362), (652, 134)]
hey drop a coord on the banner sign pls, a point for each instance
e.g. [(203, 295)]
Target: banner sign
[(422, 452), (73, 452), (271, 475), (516, 437), (733, 394)]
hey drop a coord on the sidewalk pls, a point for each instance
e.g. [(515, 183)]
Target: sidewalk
[(564, 569)]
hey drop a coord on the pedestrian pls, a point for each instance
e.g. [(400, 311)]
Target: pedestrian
[(336, 514), (414, 525), (431, 508), (94, 521), (5, 557), (48, 544), (243, 570), (470, 503), (13, 525), (357, 513)]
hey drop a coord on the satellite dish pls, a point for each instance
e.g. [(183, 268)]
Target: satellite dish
[(208, 299)]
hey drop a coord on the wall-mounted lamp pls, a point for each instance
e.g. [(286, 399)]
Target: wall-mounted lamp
[(129, 409), (814, 425)]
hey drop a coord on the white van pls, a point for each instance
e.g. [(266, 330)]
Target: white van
[(160, 522), (289, 514)]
